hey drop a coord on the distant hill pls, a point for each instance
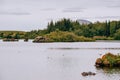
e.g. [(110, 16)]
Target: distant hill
[(81, 21)]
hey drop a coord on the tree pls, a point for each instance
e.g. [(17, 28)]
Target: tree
[(117, 35), (50, 27), (17, 36), (62, 25), (79, 32), (107, 28), (1, 35), (8, 36)]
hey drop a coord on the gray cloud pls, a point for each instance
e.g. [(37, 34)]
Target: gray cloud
[(48, 9), (73, 10), (114, 6), (110, 0), (98, 17), (104, 17), (1, 1), (113, 3), (15, 13)]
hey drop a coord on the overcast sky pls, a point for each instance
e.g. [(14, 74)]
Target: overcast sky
[(35, 14)]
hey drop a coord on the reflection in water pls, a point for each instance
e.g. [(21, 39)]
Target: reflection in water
[(65, 62), (84, 48), (107, 70), (64, 48), (108, 73), (62, 62)]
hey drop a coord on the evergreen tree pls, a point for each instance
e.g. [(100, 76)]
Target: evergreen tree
[(50, 27), (116, 27), (17, 36), (2, 35), (107, 28)]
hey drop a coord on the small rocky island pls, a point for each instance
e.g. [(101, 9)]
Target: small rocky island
[(108, 60)]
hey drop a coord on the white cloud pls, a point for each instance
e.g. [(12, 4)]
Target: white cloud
[(14, 13)]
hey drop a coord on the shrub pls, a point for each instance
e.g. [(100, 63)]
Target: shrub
[(60, 36)]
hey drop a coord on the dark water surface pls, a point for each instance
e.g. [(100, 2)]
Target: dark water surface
[(55, 61)]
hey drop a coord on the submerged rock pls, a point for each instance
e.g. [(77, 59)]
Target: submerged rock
[(88, 74), (26, 40)]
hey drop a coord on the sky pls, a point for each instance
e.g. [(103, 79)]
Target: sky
[(29, 15)]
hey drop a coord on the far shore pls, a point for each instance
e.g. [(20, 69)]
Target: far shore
[(1, 40)]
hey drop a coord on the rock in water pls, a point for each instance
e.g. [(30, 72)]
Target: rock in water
[(98, 62), (40, 39), (88, 74), (108, 60)]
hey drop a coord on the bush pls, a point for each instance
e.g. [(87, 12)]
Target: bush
[(60, 36), (102, 38)]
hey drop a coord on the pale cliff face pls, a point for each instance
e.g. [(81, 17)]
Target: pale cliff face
[(81, 21)]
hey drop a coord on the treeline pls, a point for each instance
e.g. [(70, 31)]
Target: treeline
[(94, 29), (97, 30)]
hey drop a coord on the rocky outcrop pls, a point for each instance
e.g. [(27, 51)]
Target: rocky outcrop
[(108, 60), (41, 39), (98, 62)]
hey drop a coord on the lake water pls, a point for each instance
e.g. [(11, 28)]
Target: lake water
[(55, 61)]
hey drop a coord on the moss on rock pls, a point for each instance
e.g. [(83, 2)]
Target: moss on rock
[(108, 60)]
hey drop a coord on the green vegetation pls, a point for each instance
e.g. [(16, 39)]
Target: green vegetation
[(108, 30), (65, 36), (108, 60), (12, 34), (67, 30), (117, 35)]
